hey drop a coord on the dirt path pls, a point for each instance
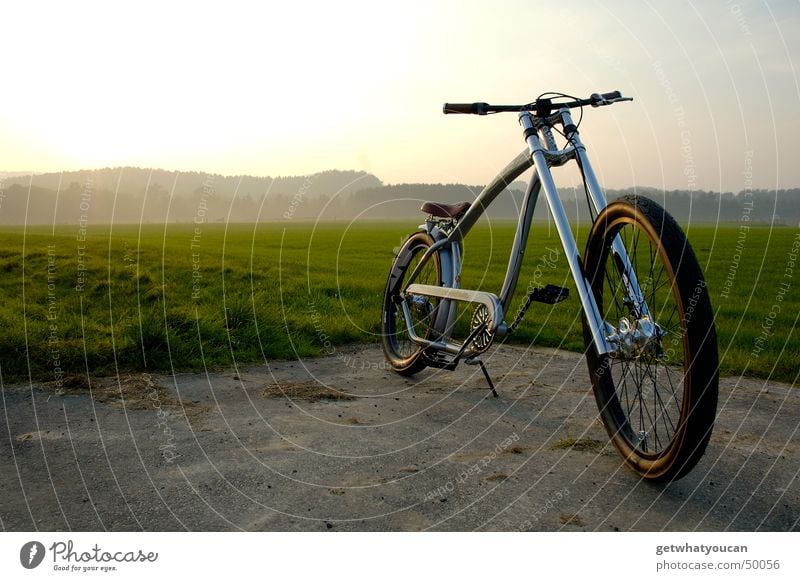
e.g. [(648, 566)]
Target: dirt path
[(230, 451)]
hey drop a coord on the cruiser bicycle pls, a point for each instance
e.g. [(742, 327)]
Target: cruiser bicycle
[(648, 325)]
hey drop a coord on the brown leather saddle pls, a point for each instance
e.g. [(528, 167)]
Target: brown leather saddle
[(442, 210)]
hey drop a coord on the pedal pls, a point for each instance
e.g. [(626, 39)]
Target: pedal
[(551, 294), (439, 361)]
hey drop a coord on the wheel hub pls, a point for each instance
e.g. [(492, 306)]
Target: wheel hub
[(420, 304), (637, 338)]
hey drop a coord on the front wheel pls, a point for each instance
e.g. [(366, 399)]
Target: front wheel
[(657, 396)]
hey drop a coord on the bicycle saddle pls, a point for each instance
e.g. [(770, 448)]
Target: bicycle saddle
[(441, 210)]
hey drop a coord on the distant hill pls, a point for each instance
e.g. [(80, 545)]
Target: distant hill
[(133, 195), (135, 180)]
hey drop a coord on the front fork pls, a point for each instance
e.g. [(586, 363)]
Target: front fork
[(601, 331)]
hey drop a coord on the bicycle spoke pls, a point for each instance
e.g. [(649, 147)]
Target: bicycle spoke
[(641, 377), (659, 399)]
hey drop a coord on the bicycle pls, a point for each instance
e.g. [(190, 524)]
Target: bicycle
[(648, 325)]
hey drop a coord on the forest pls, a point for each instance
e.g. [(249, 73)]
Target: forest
[(137, 195)]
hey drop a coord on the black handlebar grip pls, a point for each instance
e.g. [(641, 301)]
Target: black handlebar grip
[(466, 108), (603, 99)]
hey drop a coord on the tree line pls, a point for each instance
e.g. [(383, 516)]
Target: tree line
[(136, 195)]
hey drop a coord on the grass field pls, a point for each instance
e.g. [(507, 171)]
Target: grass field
[(184, 297)]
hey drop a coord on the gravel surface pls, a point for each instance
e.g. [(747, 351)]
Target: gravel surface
[(342, 443)]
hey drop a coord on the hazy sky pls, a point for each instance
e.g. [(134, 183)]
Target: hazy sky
[(298, 87)]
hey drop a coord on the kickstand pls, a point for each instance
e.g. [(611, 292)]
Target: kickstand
[(473, 361)]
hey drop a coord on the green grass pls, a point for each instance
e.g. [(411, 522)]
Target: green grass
[(276, 291)]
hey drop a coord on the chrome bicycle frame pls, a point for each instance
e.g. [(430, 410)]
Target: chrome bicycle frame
[(448, 244)]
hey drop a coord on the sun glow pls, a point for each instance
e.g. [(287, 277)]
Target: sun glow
[(289, 88)]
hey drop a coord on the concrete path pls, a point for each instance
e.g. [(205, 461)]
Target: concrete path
[(230, 450)]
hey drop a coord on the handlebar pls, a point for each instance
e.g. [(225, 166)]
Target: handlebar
[(466, 108), (542, 107)]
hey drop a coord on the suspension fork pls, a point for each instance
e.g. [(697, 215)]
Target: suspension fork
[(598, 200), (539, 154)]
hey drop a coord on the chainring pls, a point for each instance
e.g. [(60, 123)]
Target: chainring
[(483, 340)]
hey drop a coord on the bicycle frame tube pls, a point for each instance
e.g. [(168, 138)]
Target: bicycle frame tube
[(541, 158), (511, 172), (593, 317), (520, 240), (450, 247), (456, 236)]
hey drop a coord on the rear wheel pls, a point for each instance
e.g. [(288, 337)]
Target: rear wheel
[(404, 355), (657, 397)]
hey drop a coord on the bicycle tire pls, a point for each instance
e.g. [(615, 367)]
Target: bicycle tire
[(401, 352), (688, 355)]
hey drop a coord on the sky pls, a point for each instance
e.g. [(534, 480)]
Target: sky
[(291, 88)]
